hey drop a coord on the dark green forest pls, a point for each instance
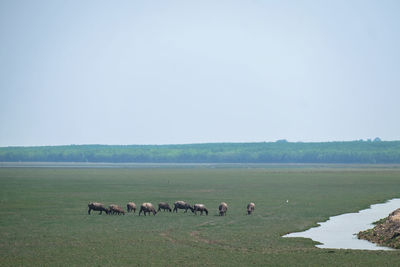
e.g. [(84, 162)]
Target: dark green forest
[(264, 152)]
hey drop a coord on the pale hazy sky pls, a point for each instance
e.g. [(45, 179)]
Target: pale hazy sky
[(167, 72)]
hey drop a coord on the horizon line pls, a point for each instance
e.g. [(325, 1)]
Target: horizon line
[(206, 143)]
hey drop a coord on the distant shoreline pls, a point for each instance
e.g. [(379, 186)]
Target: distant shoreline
[(280, 152), (288, 166)]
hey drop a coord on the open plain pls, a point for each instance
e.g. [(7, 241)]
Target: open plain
[(44, 219)]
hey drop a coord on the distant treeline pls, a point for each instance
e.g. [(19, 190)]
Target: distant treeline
[(271, 152)]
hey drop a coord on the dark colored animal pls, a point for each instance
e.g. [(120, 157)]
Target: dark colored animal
[(147, 207), (131, 207), (250, 208), (201, 208), (182, 205), (98, 207), (164, 206), (223, 207), (115, 209)]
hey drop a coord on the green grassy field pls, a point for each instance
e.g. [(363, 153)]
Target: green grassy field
[(44, 220)]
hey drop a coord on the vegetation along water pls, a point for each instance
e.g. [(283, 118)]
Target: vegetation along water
[(375, 151)]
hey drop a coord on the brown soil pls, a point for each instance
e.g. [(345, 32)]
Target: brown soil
[(386, 232)]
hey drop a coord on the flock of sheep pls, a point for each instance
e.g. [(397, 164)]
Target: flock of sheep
[(149, 208)]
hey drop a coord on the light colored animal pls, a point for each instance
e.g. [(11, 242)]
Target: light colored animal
[(131, 207), (97, 207), (115, 209), (182, 205), (223, 207), (164, 206), (201, 208), (250, 208), (111, 207), (147, 207)]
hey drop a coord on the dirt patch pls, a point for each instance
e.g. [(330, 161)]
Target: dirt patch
[(386, 232), (206, 223), (197, 238), (166, 236)]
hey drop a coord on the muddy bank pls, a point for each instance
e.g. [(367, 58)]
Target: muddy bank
[(386, 231)]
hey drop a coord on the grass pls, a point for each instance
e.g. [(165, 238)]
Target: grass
[(44, 220)]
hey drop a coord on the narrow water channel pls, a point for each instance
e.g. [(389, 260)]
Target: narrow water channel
[(340, 232)]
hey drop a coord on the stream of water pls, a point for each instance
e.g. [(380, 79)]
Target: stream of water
[(340, 232)]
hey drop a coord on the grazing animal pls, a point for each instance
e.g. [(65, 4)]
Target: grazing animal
[(112, 207), (164, 206), (131, 207), (223, 207), (115, 209), (182, 205), (147, 207), (98, 207), (250, 208), (201, 208)]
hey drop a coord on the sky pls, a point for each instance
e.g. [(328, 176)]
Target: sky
[(177, 72)]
